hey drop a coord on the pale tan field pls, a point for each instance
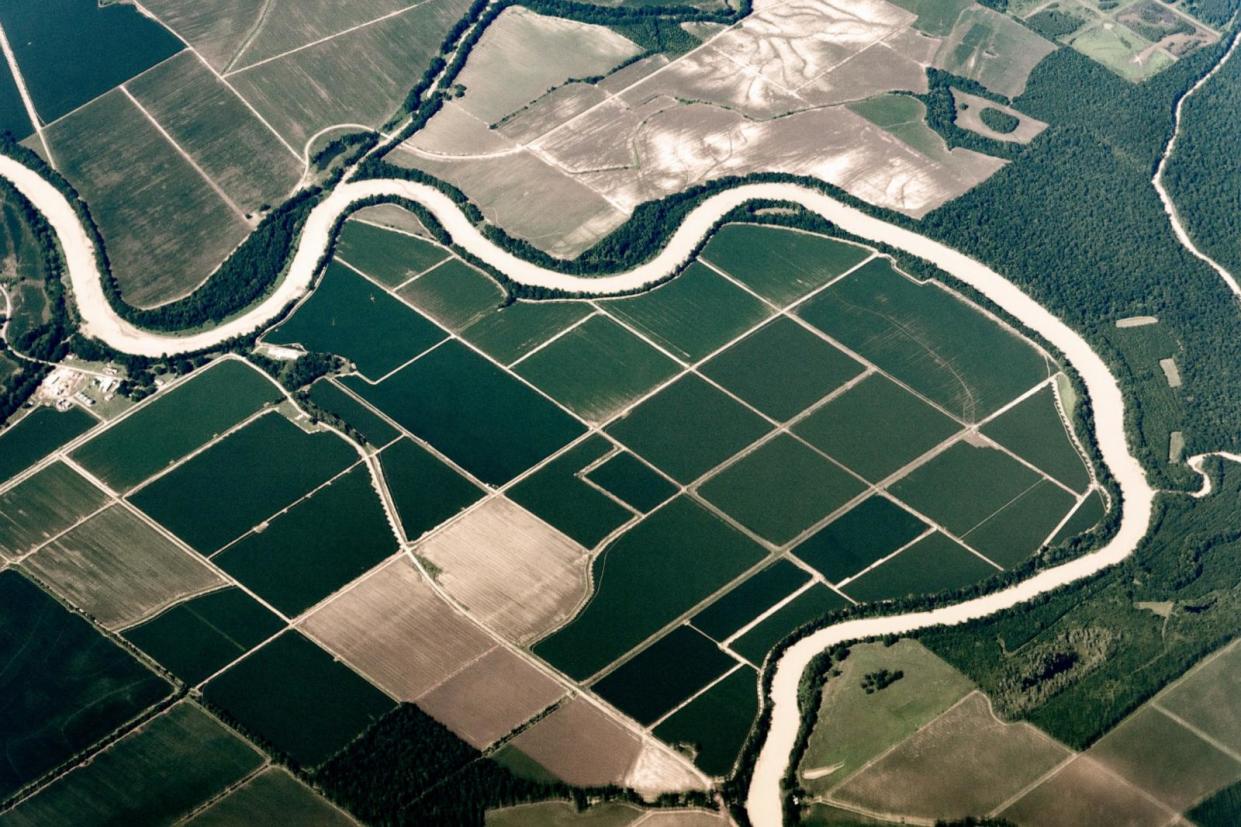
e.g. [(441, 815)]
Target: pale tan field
[(491, 697), (516, 574), (456, 133), (969, 116), (394, 217), (549, 110), (397, 631), (1085, 794), (216, 29), (963, 763), (119, 570), (581, 745), (657, 770), (523, 54)]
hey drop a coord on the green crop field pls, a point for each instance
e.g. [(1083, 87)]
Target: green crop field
[(425, 491), (65, 685), (780, 489), (664, 675), (629, 478), (811, 604), (1220, 810), (349, 316), (853, 726), (933, 564), (660, 568), (928, 339), (875, 427), (43, 505), (715, 724), (935, 17), (299, 699), (993, 49), (511, 332), (905, 117), (315, 547), (272, 797), (868, 532), (37, 435), (782, 368), (486, 421), (558, 495), (195, 639), (242, 480), (780, 265), (388, 256), (154, 775), (693, 314), (175, 423), (747, 600), (1117, 48), (1034, 430), (688, 428), (597, 369), (454, 294), (1020, 528), (328, 396), (1084, 518)]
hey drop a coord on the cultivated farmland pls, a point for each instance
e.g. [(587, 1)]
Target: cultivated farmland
[(425, 491), (714, 725), (44, 505), (581, 745), (38, 434), (454, 294), (270, 797), (390, 257)]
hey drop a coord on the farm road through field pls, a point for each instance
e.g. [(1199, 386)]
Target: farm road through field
[(764, 800)]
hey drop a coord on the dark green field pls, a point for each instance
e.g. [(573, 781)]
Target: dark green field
[(663, 675), (242, 480), (873, 529), (780, 489), (1034, 430), (1016, 532), (353, 318), (781, 265), (557, 494), (175, 423), (688, 428), (454, 294), (782, 368), (64, 685), (1084, 518), (658, 569), (511, 332), (425, 491), (154, 775), (928, 339), (195, 639), (715, 724), (387, 256), (37, 435), (928, 566), (370, 425), (875, 427), (486, 421), (635, 482), (297, 698), (597, 368), (42, 506), (813, 603), (693, 314), (314, 548), (750, 598)]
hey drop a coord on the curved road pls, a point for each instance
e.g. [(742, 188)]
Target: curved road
[(764, 800)]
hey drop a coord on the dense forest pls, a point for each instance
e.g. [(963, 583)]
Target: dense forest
[(1203, 176)]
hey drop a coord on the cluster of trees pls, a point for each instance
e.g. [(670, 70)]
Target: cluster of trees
[(1054, 23), (880, 680), (999, 120), (1215, 12), (409, 769), (357, 143)]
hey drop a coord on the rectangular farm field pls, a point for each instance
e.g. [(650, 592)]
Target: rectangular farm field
[(480, 417), (625, 476), (38, 434), (315, 547), (663, 566), (195, 639), (751, 598), (157, 773), (664, 675), (928, 338), (42, 506), (65, 684), (1034, 430), (779, 264), (813, 603), (509, 333), (454, 294), (272, 797), (425, 491), (349, 316), (176, 422), (328, 396), (558, 495), (242, 480), (933, 564), (868, 532), (714, 725), (388, 256)]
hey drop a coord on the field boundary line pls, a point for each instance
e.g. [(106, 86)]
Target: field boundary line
[(35, 121), (322, 40), (254, 31), (224, 196), (1038, 782), (928, 532), (1196, 730), (740, 663), (775, 607), (512, 365)]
